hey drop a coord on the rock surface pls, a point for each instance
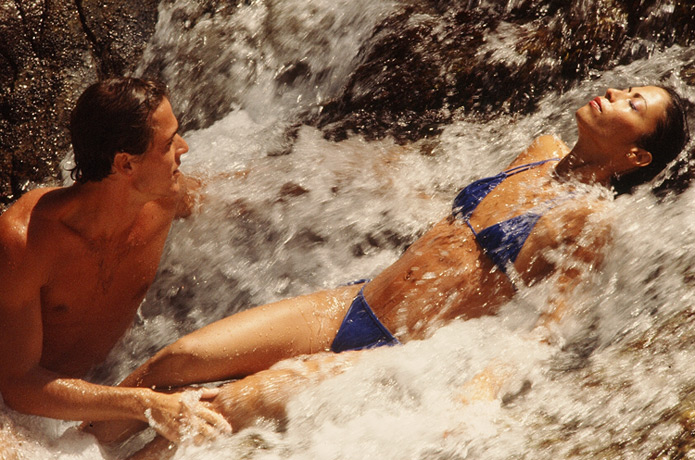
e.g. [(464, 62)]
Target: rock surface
[(422, 65), (50, 52), (416, 74)]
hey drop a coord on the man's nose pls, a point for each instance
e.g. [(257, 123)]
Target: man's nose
[(182, 145)]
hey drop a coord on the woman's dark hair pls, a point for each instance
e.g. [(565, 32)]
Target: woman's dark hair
[(111, 116), (664, 144)]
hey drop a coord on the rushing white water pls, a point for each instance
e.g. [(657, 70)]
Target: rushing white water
[(272, 226)]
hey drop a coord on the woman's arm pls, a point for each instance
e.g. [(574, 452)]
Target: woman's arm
[(580, 235), (566, 249)]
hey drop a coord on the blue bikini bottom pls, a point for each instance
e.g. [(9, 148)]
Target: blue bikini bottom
[(361, 329)]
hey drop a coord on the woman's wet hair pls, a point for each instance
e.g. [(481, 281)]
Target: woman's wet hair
[(664, 144), (111, 116)]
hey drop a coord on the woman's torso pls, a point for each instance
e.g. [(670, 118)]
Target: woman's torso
[(447, 274)]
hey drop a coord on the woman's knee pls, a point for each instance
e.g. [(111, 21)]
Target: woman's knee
[(171, 364), (187, 346)]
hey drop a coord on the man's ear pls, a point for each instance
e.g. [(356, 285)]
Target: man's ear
[(639, 157), (123, 163)]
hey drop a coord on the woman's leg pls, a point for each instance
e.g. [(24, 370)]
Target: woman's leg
[(264, 395), (249, 341)]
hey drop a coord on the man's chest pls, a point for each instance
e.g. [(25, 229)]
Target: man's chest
[(93, 283), (91, 296)]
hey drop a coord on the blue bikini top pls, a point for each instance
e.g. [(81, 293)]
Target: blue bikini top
[(502, 241)]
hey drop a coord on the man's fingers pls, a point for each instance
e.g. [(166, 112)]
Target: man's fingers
[(200, 422), (204, 433), (171, 433), (192, 421), (209, 393), (215, 420), (204, 426)]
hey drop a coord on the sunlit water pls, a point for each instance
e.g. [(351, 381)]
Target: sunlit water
[(612, 384)]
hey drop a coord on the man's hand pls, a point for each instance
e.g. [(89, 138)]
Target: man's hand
[(176, 416), (182, 416)]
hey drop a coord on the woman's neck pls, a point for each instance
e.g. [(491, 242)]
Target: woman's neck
[(577, 165)]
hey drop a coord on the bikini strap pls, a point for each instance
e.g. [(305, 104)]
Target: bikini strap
[(503, 175), (527, 166)]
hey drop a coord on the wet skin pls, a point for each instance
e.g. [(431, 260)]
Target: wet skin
[(75, 264), (89, 282), (445, 274)]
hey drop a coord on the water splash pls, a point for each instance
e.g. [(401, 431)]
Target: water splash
[(289, 212)]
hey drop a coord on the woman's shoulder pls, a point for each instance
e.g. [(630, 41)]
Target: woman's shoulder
[(550, 145), (582, 227), (542, 148), (582, 216)]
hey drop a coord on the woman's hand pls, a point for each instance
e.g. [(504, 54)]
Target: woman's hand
[(486, 385)]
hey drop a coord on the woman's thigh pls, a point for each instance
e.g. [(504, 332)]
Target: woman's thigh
[(254, 339)]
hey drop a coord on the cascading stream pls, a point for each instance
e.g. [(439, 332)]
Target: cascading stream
[(288, 211)]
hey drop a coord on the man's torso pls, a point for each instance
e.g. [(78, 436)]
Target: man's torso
[(89, 289)]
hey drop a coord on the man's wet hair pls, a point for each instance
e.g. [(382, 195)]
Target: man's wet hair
[(111, 116)]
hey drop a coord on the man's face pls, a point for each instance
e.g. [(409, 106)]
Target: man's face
[(158, 171)]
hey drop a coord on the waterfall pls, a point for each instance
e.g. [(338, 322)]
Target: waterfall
[(311, 184)]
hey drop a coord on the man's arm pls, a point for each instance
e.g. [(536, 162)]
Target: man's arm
[(260, 396), (29, 388)]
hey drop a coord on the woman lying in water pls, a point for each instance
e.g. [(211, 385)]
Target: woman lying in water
[(505, 232)]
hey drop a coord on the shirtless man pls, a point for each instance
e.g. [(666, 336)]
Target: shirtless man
[(76, 262)]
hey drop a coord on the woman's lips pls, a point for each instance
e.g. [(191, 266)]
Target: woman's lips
[(596, 103)]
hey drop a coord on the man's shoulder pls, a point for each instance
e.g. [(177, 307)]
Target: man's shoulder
[(24, 206), (14, 224)]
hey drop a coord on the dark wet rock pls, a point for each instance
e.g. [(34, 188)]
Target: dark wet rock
[(417, 74), (118, 31), (44, 60), (291, 189), (51, 50), (195, 63), (404, 85), (422, 66), (687, 73)]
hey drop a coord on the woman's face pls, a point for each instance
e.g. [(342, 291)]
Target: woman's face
[(617, 120)]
